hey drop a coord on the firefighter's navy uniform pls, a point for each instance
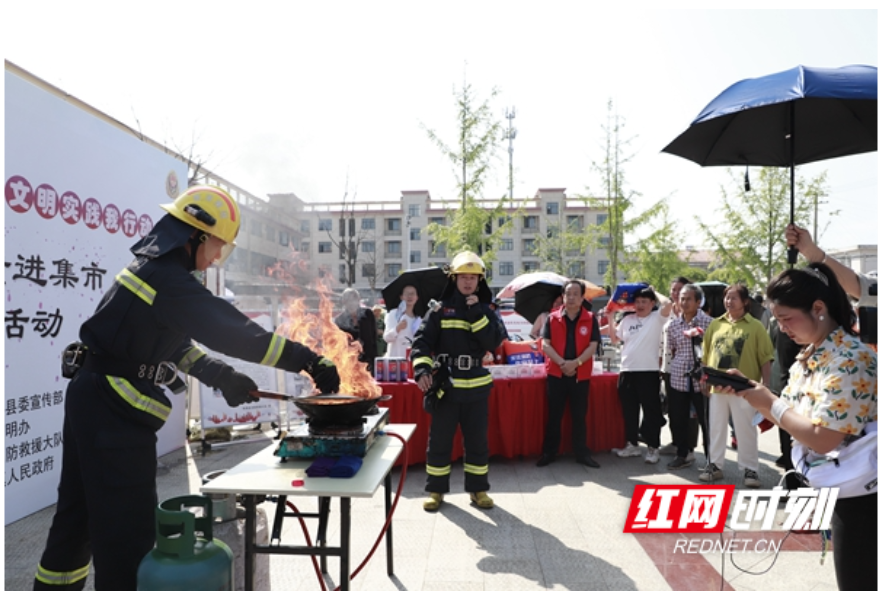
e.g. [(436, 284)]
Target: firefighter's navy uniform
[(461, 336), (114, 405)]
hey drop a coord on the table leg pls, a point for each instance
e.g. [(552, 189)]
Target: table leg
[(250, 537), (345, 523), (324, 506), (387, 487)]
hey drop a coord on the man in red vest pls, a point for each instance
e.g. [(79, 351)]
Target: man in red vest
[(570, 335)]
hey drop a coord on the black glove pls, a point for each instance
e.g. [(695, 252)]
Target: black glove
[(324, 374), (235, 387)]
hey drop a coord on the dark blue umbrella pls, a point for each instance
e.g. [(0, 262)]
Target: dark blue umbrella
[(786, 119)]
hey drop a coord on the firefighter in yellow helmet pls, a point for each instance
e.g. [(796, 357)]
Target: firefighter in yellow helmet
[(447, 356), (142, 336)]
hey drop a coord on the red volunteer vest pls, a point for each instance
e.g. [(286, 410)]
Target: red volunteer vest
[(559, 341)]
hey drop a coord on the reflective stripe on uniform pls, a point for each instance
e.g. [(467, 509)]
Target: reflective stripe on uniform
[(190, 359), (423, 360), (480, 324), (137, 286), (61, 577), (475, 469), (455, 324), (472, 383), (138, 400), (437, 471), (274, 352)]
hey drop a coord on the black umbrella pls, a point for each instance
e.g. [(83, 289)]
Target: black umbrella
[(786, 119), (535, 299), (429, 284)]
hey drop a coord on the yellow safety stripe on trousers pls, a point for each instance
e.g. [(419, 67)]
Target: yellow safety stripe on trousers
[(138, 400), (480, 324), (437, 471), (465, 384), (423, 360), (475, 469), (455, 324), (190, 359), (137, 286), (61, 577), (274, 352)]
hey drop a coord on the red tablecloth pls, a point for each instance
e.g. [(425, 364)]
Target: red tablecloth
[(518, 414)]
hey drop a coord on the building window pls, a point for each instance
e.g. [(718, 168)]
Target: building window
[(368, 270), (284, 239), (553, 232), (324, 224), (413, 210), (351, 227), (343, 278), (437, 249), (503, 220), (604, 241), (304, 226), (576, 269), (324, 247), (601, 219), (393, 248), (529, 246), (531, 223), (368, 246), (368, 223), (415, 257), (415, 234), (506, 269), (441, 221), (392, 270), (393, 225), (602, 267), (552, 208), (304, 247), (530, 266), (506, 244), (575, 223), (488, 226)]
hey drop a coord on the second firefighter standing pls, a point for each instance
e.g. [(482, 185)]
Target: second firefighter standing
[(450, 345)]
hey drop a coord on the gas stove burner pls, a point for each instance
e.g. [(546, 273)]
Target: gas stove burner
[(351, 429)]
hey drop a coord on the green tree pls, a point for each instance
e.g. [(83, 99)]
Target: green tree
[(655, 258), (749, 237), (564, 244), (615, 200), (477, 224)]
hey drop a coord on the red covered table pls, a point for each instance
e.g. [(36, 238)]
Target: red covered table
[(517, 417)]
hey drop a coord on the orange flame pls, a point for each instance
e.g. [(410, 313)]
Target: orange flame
[(319, 332)]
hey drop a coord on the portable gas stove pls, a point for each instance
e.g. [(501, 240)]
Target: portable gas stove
[(313, 439)]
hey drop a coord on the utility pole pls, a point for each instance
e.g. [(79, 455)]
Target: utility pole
[(510, 135)]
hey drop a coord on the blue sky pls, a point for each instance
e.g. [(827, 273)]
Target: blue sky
[(304, 97)]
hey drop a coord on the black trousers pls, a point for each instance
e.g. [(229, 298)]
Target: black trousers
[(471, 416), (561, 390), (855, 543), (640, 389), (106, 498), (679, 404)]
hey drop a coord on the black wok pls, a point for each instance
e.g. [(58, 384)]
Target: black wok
[(336, 409)]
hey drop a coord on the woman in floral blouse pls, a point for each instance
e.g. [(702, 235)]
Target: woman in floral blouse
[(829, 401)]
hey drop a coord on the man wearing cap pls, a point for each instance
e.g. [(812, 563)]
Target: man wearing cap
[(456, 336), (141, 335)]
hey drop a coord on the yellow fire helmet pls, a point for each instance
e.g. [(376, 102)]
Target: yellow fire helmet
[(209, 209), (467, 262)]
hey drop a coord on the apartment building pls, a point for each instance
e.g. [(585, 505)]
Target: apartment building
[(370, 243)]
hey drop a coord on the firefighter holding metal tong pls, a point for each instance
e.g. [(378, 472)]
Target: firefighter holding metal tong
[(452, 342), (141, 337)]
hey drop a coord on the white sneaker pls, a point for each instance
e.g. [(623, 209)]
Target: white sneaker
[(629, 450), (651, 456)]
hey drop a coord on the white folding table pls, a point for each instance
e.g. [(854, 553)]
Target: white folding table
[(265, 475)]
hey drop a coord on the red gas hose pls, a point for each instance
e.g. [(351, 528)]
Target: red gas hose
[(382, 531)]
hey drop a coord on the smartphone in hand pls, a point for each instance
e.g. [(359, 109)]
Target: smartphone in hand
[(723, 379)]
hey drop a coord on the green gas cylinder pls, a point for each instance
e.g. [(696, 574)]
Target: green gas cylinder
[(182, 560)]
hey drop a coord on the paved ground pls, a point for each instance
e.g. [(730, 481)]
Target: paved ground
[(554, 528)]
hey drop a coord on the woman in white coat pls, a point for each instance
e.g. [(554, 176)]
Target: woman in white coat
[(402, 324)]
